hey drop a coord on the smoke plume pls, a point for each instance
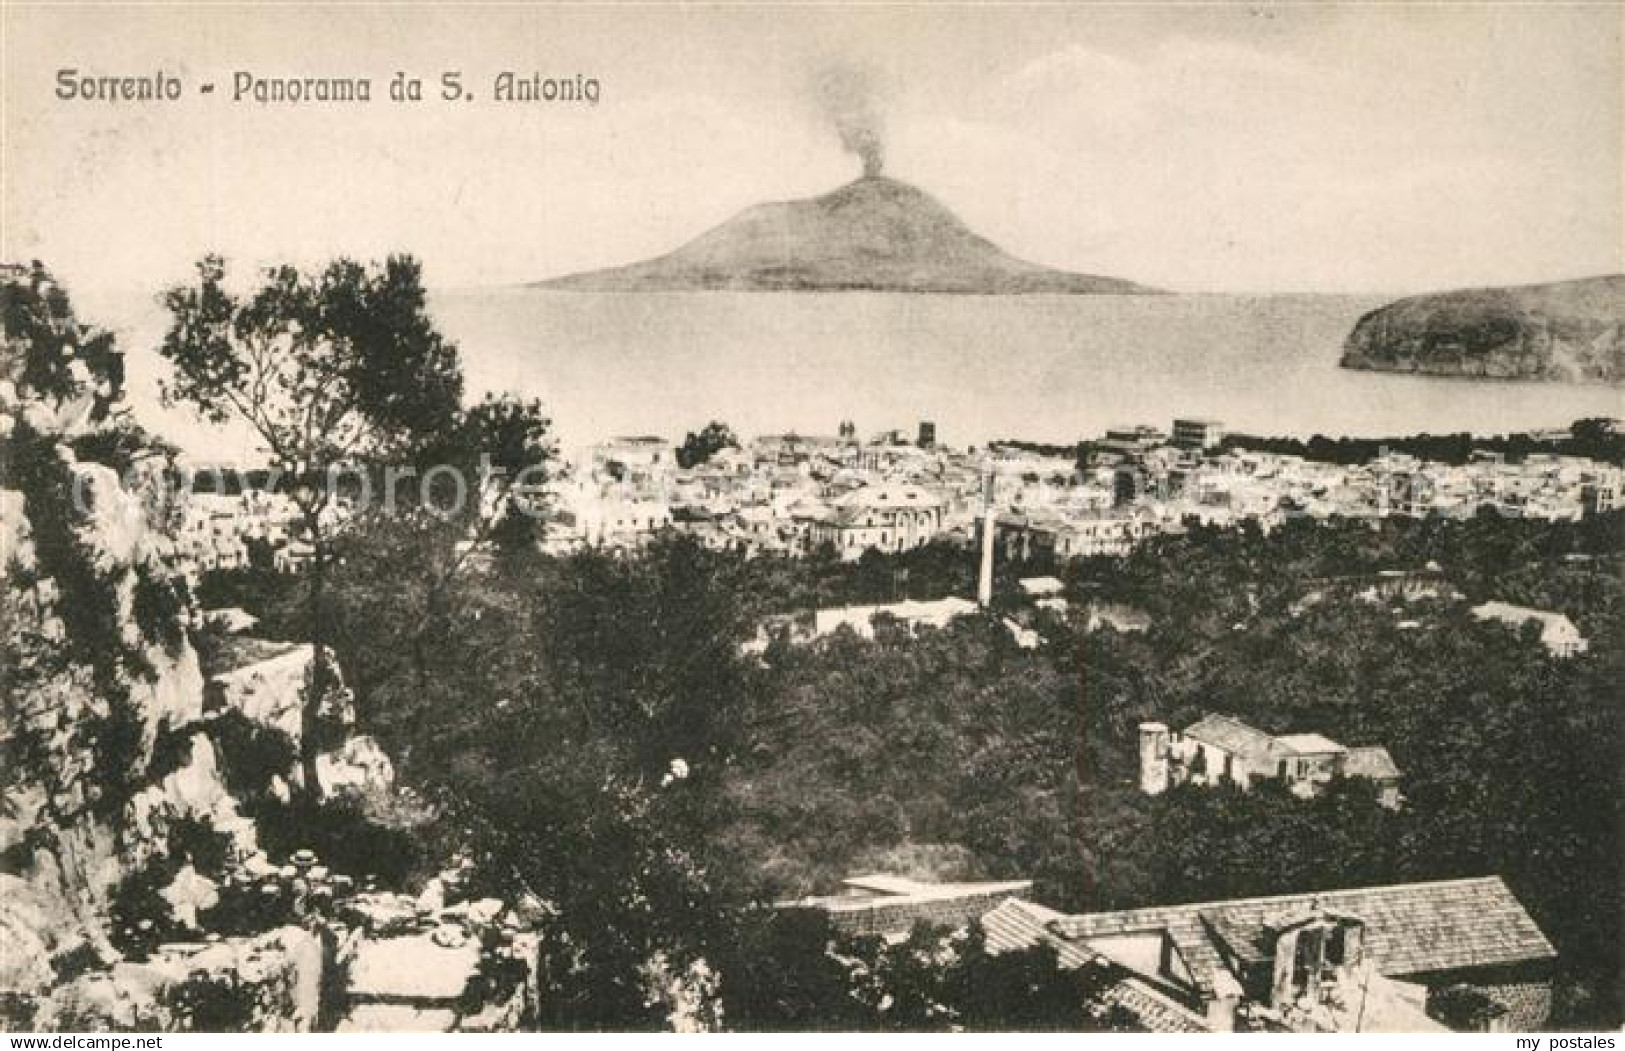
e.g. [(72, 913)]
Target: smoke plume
[(848, 96)]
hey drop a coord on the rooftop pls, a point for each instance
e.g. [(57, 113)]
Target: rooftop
[(881, 885), (892, 905), (1507, 613), (1042, 585), (1017, 925), (1414, 928), (1232, 735), (1309, 744), (1372, 761)]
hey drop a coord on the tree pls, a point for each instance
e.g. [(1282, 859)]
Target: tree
[(49, 355), (781, 975), (503, 443), (512, 437), (335, 372), (1027, 990), (584, 710), (698, 448)]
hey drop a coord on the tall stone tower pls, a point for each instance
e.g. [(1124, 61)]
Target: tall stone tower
[(984, 583), (1153, 758)]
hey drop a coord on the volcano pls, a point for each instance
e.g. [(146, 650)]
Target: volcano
[(875, 234)]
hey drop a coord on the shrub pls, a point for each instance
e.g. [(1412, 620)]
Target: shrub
[(81, 959), (158, 605), (1464, 1008), (140, 918), (495, 980), (195, 839), (213, 1003), (44, 341), (119, 445), (250, 754), (171, 751), (17, 1011), (115, 741), (343, 835)]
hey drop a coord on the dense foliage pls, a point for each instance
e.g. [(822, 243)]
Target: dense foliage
[(591, 730)]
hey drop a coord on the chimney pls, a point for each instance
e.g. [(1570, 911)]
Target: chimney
[(1227, 996), (984, 583), (1153, 758)]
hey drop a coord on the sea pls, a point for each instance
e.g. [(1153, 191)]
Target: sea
[(1047, 368)]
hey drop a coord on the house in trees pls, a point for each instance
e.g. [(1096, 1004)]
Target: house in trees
[(1218, 749), (1422, 957)]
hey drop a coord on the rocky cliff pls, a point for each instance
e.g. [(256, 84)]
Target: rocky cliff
[(1570, 331), (122, 771)]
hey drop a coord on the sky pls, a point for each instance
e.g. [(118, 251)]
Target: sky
[(1224, 148)]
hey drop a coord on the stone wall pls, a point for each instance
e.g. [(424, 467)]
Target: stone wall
[(66, 840), (269, 983), (86, 798)]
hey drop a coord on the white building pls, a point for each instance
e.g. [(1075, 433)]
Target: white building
[(886, 517), (1557, 632), (1218, 749)]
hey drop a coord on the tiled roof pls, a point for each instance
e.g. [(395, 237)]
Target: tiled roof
[(1414, 928), (1017, 925), (1309, 744), (1243, 941), (1156, 1012), (1232, 735), (1554, 627), (885, 883), (1510, 614), (1182, 924)]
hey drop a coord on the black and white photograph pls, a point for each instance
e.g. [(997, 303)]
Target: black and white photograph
[(1097, 518)]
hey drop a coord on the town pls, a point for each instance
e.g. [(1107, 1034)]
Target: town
[(796, 495)]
